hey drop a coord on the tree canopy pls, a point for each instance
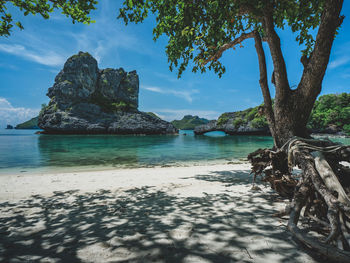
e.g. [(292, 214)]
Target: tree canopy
[(77, 10), (201, 30)]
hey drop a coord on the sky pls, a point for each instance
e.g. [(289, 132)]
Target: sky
[(31, 58)]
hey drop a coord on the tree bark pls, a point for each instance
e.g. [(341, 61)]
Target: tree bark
[(268, 110), (286, 122)]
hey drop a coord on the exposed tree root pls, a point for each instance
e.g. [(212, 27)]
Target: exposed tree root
[(319, 193)]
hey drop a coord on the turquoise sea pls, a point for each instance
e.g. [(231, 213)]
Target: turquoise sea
[(24, 151)]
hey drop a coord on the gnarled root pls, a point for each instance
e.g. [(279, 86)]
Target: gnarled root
[(320, 192)]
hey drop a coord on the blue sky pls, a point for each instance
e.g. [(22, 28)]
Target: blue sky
[(30, 60)]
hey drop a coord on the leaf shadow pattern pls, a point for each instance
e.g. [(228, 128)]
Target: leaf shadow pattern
[(148, 225), (228, 178)]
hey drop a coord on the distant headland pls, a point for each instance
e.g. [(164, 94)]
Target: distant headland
[(189, 122)]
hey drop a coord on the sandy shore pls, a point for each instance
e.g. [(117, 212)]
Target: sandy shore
[(173, 214)]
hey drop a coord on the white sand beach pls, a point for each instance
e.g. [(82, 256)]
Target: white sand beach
[(172, 214)]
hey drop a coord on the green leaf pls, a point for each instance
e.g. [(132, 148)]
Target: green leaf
[(19, 25)]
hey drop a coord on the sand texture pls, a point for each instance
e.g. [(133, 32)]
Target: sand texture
[(172, 214)]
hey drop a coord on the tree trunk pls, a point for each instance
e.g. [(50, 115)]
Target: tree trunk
[(319, 191), (292, 108), (291, 117)]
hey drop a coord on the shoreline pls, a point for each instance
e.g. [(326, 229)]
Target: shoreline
[(23, 185), (195, 214), (101, 168)]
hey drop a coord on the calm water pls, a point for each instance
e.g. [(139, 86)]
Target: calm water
[(24, 151)]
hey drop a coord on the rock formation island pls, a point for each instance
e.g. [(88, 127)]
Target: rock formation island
[(87, 100)]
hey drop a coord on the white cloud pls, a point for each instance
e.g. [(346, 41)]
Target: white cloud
[(339, 62), (8, 66), (154, 89), (167, 77), (345, 75), (184, 94), (12, 115), (47, 58), (170, 114)]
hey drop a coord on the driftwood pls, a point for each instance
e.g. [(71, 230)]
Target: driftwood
[(319, 193)]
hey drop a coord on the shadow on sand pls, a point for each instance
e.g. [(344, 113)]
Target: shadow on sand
[(146, 225)]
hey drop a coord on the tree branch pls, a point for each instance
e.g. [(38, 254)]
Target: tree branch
[(315, 68), (263, 82), (280, 71), (229, 45)]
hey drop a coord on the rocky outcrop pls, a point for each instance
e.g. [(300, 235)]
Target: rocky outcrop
[(235, 123), (249, 122), (85, 99), (9, 127)]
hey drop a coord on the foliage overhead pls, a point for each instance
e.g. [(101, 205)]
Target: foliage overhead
[(77, 10), (196, 29)]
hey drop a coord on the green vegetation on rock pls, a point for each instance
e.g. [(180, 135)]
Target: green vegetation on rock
[(223, 119), (243, 118), (331, 112), (238, 122), (121, 106), (110, 106), (346, 129), (31, 124), (259, 122), (153, 115), (188, 122), (43, 108), (81, 54)]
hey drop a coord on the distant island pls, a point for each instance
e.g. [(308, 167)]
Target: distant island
[(9, 127), (87, 100), (330, 115), (32, 124), (189, 122)]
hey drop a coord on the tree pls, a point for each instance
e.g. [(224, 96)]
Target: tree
[(77, 10), (200, 31)]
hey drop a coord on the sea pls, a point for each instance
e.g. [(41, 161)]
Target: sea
[(24, 151)]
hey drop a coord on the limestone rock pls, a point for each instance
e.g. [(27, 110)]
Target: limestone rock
[(85, 99), (76, 81)]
